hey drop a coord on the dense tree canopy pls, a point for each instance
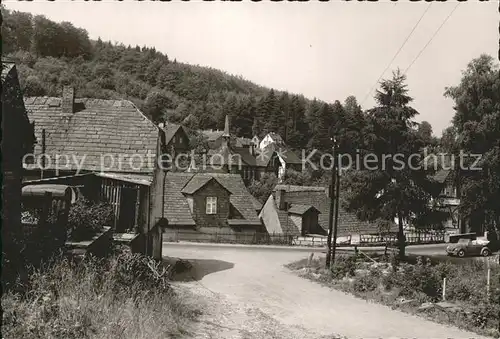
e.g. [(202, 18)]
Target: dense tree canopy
[(476, 131)]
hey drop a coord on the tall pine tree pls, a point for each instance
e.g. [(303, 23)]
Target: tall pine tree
[(392, 188)]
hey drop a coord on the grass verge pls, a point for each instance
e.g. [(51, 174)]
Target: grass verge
[(416, 286), (126, 296)]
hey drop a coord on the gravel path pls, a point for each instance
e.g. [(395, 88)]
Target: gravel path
[(253, 296)]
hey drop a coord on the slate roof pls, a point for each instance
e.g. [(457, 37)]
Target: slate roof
[(288, 156), (138, 179), (287, 225), (6, 68), (97, 127), (170, 131), (295, 188), (443, 164), (177, 209), (242, 142), (257, 205), (300, 209), (233, 155), (197, 182), (212, 135), (316, 196), (276, 137)]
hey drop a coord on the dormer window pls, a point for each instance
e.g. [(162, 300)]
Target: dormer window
[(211, 205)]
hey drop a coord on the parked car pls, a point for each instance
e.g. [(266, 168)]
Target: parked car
[(466, 247)]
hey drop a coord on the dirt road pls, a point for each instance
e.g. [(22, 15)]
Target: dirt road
[(250, 295)]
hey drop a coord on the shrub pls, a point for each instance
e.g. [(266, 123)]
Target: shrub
[(413, 280), (366, 283), (86, 218), (345, 265), (96, 299)]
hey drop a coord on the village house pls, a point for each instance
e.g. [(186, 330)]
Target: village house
[(449, 197), (280, 155), (244, 161), (199, 205), (110, 151), (17, 140), (215, 139), (176, 139), (281, 159), (248, 157), (304, 210)]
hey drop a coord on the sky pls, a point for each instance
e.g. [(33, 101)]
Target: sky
[(324, 50)]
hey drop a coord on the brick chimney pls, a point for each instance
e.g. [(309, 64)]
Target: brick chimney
[(279, 197), (68, 100)]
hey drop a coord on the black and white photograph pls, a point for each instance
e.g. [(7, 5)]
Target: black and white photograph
[(250, 169)]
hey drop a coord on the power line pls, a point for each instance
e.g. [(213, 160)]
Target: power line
[(397, 53), (432, 38)]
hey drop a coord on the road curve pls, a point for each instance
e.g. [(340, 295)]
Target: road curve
[(255, 294)]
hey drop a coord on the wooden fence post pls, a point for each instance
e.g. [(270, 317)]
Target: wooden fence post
[(309, 261), (444, 289), (488, 277)]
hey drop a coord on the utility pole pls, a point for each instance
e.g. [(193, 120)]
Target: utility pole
[(337, 206), (43, 153), (332, 206)]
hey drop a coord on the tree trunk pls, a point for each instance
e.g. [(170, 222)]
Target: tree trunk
[(401, 238)]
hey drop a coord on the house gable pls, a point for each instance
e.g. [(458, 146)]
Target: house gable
[(211, 189), (176, 138)]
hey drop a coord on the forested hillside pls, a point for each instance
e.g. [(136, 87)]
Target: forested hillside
[(50, 55)]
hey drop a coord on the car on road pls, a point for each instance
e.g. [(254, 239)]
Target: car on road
[(468, 247)]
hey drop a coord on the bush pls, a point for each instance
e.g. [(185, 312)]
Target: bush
[(86, 218), (366, 283), (113, 298), (344, 265)]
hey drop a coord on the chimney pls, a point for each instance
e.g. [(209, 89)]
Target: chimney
[(226, 136), (280, 199), (68, 99)]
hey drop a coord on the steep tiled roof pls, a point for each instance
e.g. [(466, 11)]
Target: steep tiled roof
[(234, 156), (316, 196), (6, 68), (240, 197), (212, 135), (170, 130), (257, 205), (97, 127), (197, 182), (441, 175), (295, 188), (442, 163), (300, 209), (288, 156), (242, 142), (287, 225), (177, 209)]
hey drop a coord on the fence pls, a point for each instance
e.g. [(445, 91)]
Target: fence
[(252, 238), (413, 237)]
